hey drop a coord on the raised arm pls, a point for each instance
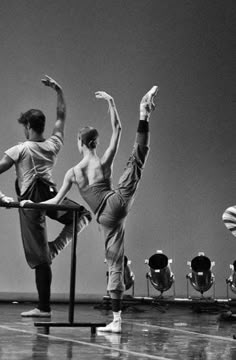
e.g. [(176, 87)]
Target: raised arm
[(61, 106), (111, 151)]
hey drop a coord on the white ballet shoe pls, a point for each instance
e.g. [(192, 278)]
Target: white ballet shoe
[(113, 327), (36, 313), (147, 103)]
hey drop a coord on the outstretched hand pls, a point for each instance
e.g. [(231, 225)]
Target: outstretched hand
[(103, 95), (7, 199), (147, 103), (50, 82)]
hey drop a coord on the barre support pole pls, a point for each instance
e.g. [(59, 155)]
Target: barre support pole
[(76, 209)]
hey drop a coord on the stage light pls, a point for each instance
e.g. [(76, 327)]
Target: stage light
[(160, 274), (201, 277), (231, 281)]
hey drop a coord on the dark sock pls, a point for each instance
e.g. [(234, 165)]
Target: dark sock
[(43, 278), (143, 126), (116, 305)]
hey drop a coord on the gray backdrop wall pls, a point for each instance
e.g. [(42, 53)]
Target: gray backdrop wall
[(125, 47)]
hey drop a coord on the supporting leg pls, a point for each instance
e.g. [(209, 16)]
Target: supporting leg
[(71, 322), (43, 277), (115, 325)]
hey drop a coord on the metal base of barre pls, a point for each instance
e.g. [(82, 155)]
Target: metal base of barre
[(76, 210), (46, 325)]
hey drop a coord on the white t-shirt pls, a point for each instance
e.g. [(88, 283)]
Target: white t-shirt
[(31, 157)]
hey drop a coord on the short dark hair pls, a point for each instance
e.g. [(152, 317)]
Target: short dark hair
[(35, 119), (88, 136)]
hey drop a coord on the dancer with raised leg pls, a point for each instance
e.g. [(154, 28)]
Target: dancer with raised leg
[(92, 175), (34, 160)]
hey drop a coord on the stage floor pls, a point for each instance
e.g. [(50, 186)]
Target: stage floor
[(149, 332)]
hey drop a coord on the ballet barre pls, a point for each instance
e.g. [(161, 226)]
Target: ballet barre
[(76, 212)]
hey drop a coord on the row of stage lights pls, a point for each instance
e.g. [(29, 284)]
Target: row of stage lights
[(162, 278)]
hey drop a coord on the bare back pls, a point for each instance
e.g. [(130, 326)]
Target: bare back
[(90, 170)]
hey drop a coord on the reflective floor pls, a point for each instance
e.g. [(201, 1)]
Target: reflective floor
[(149, 332)]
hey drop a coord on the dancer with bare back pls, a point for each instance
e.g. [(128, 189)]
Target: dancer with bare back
[(92, 175)]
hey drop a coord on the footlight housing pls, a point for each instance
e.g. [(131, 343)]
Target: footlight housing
[(159, 274)]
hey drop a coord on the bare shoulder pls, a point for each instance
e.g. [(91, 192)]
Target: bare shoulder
[(77, 169)]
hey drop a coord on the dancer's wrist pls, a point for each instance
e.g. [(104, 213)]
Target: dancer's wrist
[(111, 102)]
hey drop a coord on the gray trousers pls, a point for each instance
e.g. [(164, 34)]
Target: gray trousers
[(113, 215), (34, 232)]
